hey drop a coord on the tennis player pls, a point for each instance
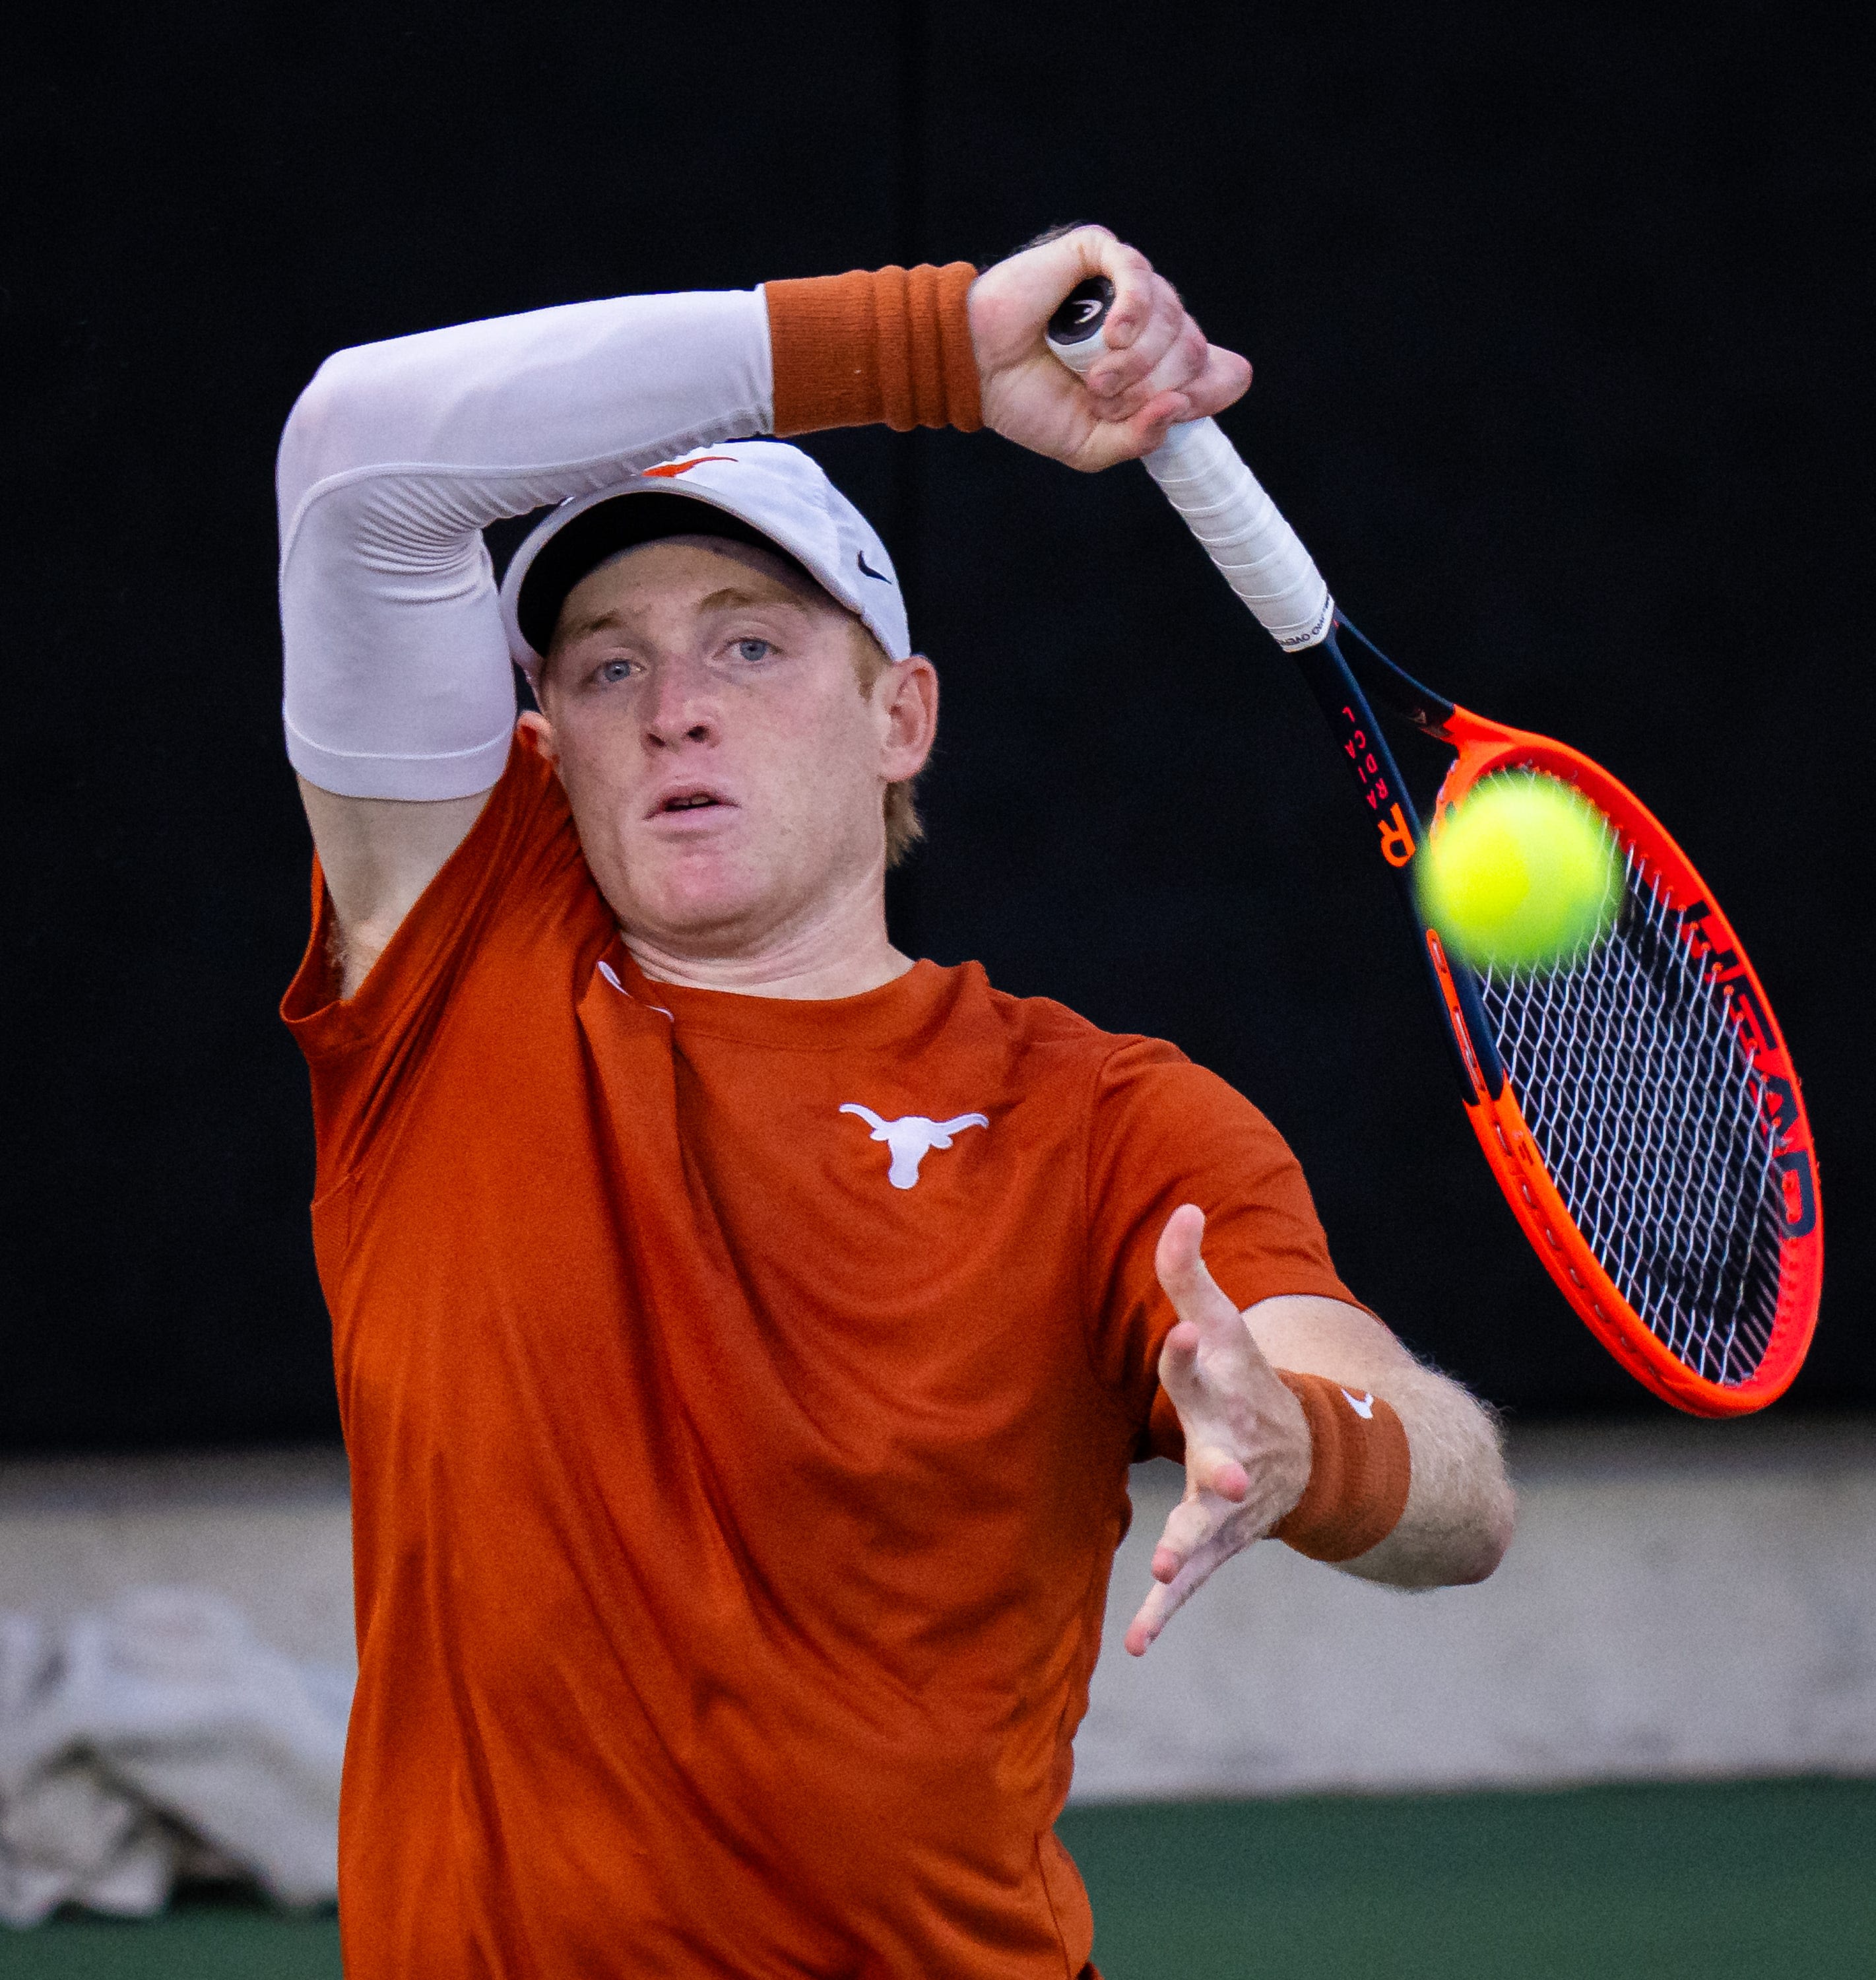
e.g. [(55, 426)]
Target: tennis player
[(743, 1330)]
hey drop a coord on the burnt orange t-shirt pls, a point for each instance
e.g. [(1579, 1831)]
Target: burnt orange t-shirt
[(735, 1489)]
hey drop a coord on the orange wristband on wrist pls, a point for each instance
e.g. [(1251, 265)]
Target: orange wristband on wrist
[(1359, 1470), (891, 345), (1360, 1467)]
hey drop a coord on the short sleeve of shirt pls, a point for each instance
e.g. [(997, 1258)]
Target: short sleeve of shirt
[(1164, 1132), (513, 891)]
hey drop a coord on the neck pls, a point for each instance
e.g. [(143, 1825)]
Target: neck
[(841, 951)]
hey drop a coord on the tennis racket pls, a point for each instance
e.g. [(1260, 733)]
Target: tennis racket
[(1636, 1103)]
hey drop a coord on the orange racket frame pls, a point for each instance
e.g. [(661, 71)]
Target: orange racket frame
[(1484, 747), (1262, 559)]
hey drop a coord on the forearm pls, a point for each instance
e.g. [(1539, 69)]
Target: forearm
[(397, 675), (1460, 1512)]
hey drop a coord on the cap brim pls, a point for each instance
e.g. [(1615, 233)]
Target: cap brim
[(620, 523)]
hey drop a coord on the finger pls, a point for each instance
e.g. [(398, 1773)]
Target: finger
[(1217, 1473), (1164, 1598), (1224, 380), (1180, 1249), (1148, 427), (1109, 441), (1211, 379), (1144, 1628), (1130, 273), (1217, 1484), (1129, 365), (1179, 1352), (1209, 1364), (1162, 1602), (1183, 360), (1188, 1526), (1169, 350), (1179, 1369)]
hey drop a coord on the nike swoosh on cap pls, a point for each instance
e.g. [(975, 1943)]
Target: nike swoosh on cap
[(867, 570), (669, 470)]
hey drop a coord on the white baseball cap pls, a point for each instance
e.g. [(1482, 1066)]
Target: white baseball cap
[(764, 492)]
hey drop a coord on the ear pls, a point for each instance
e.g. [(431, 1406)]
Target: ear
[(908, 692), (542, 730)]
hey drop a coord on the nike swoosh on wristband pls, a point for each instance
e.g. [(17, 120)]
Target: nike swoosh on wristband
[(868, 570), (1364, 1408)]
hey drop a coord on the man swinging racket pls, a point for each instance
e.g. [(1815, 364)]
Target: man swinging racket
[(743, 1330)]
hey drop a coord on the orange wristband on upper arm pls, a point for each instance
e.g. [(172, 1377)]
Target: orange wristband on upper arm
[(891, 345), (1360, 1467)]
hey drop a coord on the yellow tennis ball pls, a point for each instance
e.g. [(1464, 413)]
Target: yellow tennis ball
[(1522, 873)]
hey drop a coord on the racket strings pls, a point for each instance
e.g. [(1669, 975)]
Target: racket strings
[(1644, 1104)]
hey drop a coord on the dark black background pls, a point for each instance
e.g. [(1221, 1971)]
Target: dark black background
[(1552, 309)]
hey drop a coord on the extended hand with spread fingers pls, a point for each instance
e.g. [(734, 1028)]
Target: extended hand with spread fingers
[(1247, 1441)]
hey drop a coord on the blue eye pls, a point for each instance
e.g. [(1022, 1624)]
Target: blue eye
[(753, 651), (613, 670)]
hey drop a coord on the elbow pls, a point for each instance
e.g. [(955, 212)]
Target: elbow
[(1488, 1536), (338, 422)]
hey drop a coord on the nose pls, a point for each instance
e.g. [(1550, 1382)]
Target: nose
[(681, 708)]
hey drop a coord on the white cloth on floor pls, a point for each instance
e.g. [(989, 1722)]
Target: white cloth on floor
[(157, 1737)]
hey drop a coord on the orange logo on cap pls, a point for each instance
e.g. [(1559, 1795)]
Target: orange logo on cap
[(670, 471)]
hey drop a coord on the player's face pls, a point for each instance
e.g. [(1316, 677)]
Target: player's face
[(724, 768)]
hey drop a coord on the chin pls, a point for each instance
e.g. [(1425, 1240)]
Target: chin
[(700, 902)]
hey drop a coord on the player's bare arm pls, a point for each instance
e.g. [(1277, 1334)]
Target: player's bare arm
[(1248, 1450), (378, 854)]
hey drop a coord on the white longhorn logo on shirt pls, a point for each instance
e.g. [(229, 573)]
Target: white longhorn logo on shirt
[(912, 1138)]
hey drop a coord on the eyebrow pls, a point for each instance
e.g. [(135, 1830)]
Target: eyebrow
[(730, 595), (598, 623), (727, 598)]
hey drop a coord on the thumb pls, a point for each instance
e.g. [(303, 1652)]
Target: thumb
[(1180, 1262), (1204, 1349)]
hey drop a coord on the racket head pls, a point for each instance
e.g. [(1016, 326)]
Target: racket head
[(1650, 1136)]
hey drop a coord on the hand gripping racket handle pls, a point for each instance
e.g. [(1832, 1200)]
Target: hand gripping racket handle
[(1224, 505)]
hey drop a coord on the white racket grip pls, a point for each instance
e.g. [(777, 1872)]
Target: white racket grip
[(1243, 532), (1200, 472)]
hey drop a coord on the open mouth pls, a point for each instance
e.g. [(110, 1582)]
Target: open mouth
[(691, 800)]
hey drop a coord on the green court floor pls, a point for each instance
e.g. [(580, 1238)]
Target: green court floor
[(1754, 1881), (1762, 1881)]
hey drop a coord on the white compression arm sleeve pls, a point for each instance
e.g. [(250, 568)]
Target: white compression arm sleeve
[(397, 680)]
